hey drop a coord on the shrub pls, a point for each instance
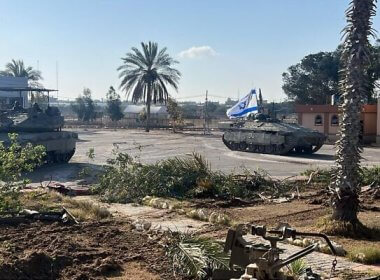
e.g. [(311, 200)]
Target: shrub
[(366, 255), (14, 160), (127, 180), (368, 175)]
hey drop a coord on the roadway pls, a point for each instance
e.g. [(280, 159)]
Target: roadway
[(160, 144)]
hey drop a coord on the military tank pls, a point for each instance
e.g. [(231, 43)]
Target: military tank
[(262, 134), (39, 127)]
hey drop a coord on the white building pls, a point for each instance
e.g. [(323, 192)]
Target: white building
[(11, 95), (158, 115)]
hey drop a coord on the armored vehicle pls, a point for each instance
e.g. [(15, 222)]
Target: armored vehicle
[(262, 134), (39, 127)]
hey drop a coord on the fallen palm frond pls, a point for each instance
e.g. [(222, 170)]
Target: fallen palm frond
[(195, 256), (128, 180)]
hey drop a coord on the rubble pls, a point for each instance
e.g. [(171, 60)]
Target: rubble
[(26, 215), (322, 247)]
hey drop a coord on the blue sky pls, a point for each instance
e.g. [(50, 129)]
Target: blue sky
[(222, 46)]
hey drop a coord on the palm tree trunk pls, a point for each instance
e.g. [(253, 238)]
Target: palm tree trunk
[(148, 101), (354, 86)]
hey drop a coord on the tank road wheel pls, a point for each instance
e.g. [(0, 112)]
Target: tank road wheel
[(49, 158), (260, 149), (269, 149), (234, 146), (251, 148), (316, 148), (243, 146), (308, 150), (65, 157)]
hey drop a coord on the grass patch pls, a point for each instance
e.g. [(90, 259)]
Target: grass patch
[(52, 201), (85, 210), (128, 180), (366, 255), (368, 175), (359, 230), (319, 175), (297, 268)]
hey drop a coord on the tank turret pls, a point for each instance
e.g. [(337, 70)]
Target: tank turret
[(39, 127), (261, 134), (33, 119)]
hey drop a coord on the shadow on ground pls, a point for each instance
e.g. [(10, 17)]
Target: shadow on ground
[(66, 172)]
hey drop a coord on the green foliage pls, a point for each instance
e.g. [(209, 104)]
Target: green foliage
[(297, 268), (91, 153), (195, 256), (14, 160), (190, 110), (16, 68), (175, 112), (127, 180), (316, 77), (146, 74), (113, 108), (319, 175), (368, 175), (84, 106)]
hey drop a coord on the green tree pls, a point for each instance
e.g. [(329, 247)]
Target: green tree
[(14, 160), (316, 77), (175, 113), (16, 68), (84, 106), (146, 75), (113, 108), (355, 85)]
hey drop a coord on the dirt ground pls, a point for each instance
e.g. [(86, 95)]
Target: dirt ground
[(110, 249), (303, 214), (91, 250)]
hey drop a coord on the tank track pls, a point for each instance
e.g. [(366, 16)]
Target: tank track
[(289, 147), (53, 157)]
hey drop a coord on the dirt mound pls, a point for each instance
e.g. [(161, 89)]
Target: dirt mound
[(86, 251)]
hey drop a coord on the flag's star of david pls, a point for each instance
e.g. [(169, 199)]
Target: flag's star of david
[(242, 105)]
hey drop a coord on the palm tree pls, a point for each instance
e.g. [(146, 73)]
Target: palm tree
[(16, 68), (146, 75), (354, 86)]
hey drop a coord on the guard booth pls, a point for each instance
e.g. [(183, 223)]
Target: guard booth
[(16, 89), (9, 95)]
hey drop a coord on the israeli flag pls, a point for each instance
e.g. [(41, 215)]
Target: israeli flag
[(246, 106)]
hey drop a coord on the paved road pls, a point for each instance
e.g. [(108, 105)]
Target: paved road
[(157, 145)]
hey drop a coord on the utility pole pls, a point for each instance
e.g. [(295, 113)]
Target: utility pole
[(205, 125), (56, 77)]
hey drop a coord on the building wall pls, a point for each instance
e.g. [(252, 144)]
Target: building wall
[(307, 115), (308, 120), (7, 98)]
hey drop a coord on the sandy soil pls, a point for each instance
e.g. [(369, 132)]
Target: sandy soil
[(93, 250)]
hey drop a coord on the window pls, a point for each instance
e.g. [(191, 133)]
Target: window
[(334, 120), (318, 120)]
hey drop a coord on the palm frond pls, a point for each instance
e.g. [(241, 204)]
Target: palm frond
[(195, 256), (149, 66), (16, 68)]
